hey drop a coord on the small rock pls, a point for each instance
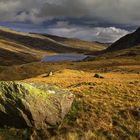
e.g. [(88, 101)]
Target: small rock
[(98, 76), (48, 74)]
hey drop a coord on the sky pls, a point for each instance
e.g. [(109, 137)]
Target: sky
[(92, 20)]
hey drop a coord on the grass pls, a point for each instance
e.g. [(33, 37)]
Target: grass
[(16, 47), (107, 108), (20, 72), (76, 43), (14, 134), (103, 108)]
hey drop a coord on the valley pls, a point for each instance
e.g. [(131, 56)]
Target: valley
[(106, 87)]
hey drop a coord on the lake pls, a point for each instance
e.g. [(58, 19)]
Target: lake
[(64, 57)]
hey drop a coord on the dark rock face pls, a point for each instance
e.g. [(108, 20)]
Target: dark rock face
[(32, 105), (127, 41)]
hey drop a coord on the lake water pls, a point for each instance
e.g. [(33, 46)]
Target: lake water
[(64, 57)]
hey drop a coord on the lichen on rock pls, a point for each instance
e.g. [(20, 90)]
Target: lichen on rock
[(33, 105)]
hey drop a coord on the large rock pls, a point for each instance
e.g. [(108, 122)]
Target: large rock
[(32, 105)]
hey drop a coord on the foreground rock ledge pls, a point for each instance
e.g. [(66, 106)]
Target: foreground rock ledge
[(33, 105)]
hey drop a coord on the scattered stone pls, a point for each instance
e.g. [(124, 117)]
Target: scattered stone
[(134, 82), (98, 76), (49, 74), (131, 82), (33, 105)]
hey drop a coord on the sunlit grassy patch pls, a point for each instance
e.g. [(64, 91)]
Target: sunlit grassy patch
[(103, 108)]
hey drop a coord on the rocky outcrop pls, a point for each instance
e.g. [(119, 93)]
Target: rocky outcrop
[(127, 41), (32, 105)]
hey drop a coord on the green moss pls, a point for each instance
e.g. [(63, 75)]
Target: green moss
[(72, 115), (35, 91), (20, 89)]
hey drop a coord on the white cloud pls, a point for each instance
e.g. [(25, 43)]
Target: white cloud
[(109, 34)]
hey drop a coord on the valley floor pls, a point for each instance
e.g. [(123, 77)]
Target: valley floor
[(104, 108)]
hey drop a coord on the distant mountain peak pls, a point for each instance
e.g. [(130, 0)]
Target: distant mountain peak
[(138, 30), (127, 41)]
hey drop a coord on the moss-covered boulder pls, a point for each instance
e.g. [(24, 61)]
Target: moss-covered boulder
[(32, 105)]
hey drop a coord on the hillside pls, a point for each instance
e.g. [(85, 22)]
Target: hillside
[(12, 53), (20, 48), (111, 104), (127, 41), (127, 47), (105, 106), (77, 43), (34, 41)]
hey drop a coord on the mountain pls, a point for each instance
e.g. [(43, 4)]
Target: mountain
[(19, 48), (77, 43), (13, 53), (34, 106), (128, 41)]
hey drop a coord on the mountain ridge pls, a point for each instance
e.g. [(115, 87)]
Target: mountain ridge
[(127, 41), (32, 47)]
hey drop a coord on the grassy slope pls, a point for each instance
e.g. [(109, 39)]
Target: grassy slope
[(19, 48), (12, 53), (107, 108), (104, 108), (24, 71), (76, 43), (131, 52)]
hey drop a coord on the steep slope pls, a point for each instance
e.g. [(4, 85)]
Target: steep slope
[(47, 43), (77, 43), (35, 41), (132, 52), (12, 53), (20, 48), (127, 41)]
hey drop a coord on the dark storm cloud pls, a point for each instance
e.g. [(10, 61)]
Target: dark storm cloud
[(117, 11), (63, 28), (103, 20)]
